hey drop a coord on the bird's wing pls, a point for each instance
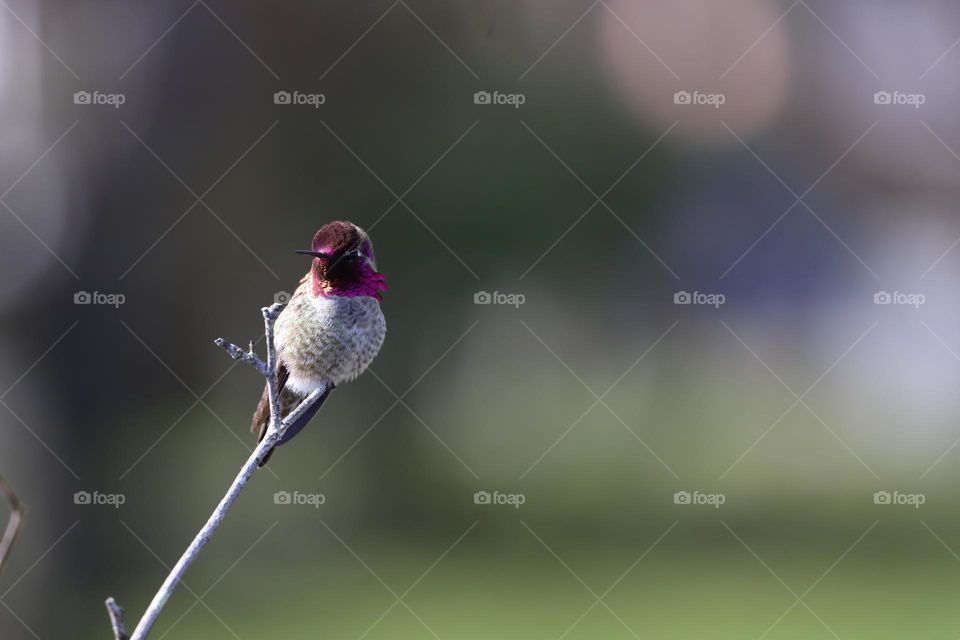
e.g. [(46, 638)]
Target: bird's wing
[(262, 415)]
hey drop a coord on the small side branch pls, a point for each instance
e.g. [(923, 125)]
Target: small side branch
[(248, 356), (13, 523), (275, 431), (115, 611)]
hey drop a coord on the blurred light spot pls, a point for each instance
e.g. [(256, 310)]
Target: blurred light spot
[(705, 45)]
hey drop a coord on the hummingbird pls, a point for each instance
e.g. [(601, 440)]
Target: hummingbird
[(331, 329)]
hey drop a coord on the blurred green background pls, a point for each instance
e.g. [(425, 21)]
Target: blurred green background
[(820, 394)]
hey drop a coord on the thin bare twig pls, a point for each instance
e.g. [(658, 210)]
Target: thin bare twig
[(275, 431), (115, 611), (13, 523), (248, 356)]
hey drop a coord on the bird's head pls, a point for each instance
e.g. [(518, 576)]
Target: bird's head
[(344, 263)]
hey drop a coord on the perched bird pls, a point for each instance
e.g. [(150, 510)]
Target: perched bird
[(331, 329)]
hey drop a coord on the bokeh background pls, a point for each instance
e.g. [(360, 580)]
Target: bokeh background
[(785, 185)]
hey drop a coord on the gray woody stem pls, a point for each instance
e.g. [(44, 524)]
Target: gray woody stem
[(274, 432), (13, 524), (115, 611)]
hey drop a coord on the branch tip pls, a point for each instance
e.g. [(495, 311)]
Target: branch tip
[(14, 523), (115, 611), (273, 311)]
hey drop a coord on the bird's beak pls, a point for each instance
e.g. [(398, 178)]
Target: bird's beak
[(315, 254)]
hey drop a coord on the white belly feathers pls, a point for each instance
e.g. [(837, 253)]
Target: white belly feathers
[(327, 338)]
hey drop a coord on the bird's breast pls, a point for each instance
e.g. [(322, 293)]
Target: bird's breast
[(327, 338)]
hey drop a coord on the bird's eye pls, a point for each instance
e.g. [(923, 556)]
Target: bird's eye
[(353, 253)]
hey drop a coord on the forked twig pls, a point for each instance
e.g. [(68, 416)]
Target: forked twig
[(275, 431)]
